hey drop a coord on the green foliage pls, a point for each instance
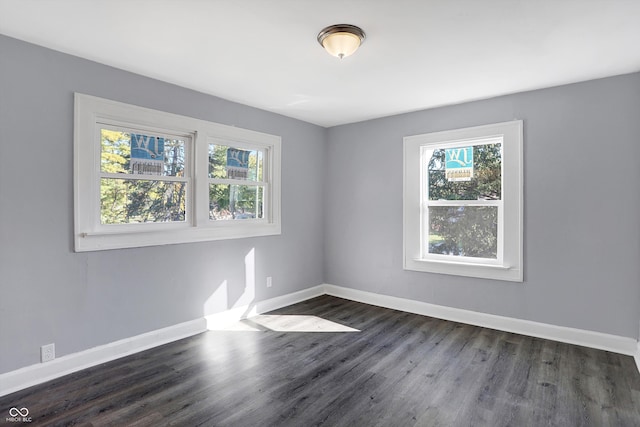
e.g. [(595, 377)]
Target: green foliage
[(156, 201), (219, 195), (114, 158), (466, 231), (486, 181)]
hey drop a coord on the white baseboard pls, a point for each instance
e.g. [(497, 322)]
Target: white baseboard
[(35, 374), (613, 343), (42, 372)]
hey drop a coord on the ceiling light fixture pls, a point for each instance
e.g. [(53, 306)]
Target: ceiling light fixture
[(341, 40)]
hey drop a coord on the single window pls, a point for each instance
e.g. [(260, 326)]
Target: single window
[(144, 177), (463, 202)]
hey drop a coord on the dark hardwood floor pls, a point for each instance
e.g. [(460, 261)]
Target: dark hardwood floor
[(333, 362)]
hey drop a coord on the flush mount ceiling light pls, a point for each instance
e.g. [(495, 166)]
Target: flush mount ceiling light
[(341, 40)]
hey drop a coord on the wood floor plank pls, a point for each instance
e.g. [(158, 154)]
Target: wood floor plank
[(391, 369)]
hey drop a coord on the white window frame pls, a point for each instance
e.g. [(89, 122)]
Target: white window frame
[(508, 264), (92, 113)]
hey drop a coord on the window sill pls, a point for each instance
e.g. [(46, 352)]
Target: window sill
[(475, 264), (99, 241), (484, 271)]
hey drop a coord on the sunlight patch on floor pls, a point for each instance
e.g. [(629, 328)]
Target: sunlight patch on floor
[(285, 323)]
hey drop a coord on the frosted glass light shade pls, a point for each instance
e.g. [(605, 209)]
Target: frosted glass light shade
[(341, 44), (341, 40)]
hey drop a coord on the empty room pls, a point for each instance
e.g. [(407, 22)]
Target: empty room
[(337, 213)]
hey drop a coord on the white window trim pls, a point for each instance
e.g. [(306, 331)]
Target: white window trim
[(510, 267), (89, 235)]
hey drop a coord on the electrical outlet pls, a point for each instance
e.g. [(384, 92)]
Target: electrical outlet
[(47, 353), (269, 282)]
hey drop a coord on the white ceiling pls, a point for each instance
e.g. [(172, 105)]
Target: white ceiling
[(418, 53)]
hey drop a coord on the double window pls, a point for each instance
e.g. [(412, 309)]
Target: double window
[(463, 202), (144, 177)]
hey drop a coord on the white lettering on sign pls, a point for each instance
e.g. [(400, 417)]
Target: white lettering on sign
[(459, 164)]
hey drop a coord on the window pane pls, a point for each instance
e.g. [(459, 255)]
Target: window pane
[(139, 153), (124, 201), (235, 201), (233, 163), (470, 231), (486, 180)]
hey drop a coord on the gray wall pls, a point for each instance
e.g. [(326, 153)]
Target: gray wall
[(581, 207), (342, 212), (81, 300)]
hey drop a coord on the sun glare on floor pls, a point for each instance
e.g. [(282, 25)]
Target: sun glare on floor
[(285, 323)]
